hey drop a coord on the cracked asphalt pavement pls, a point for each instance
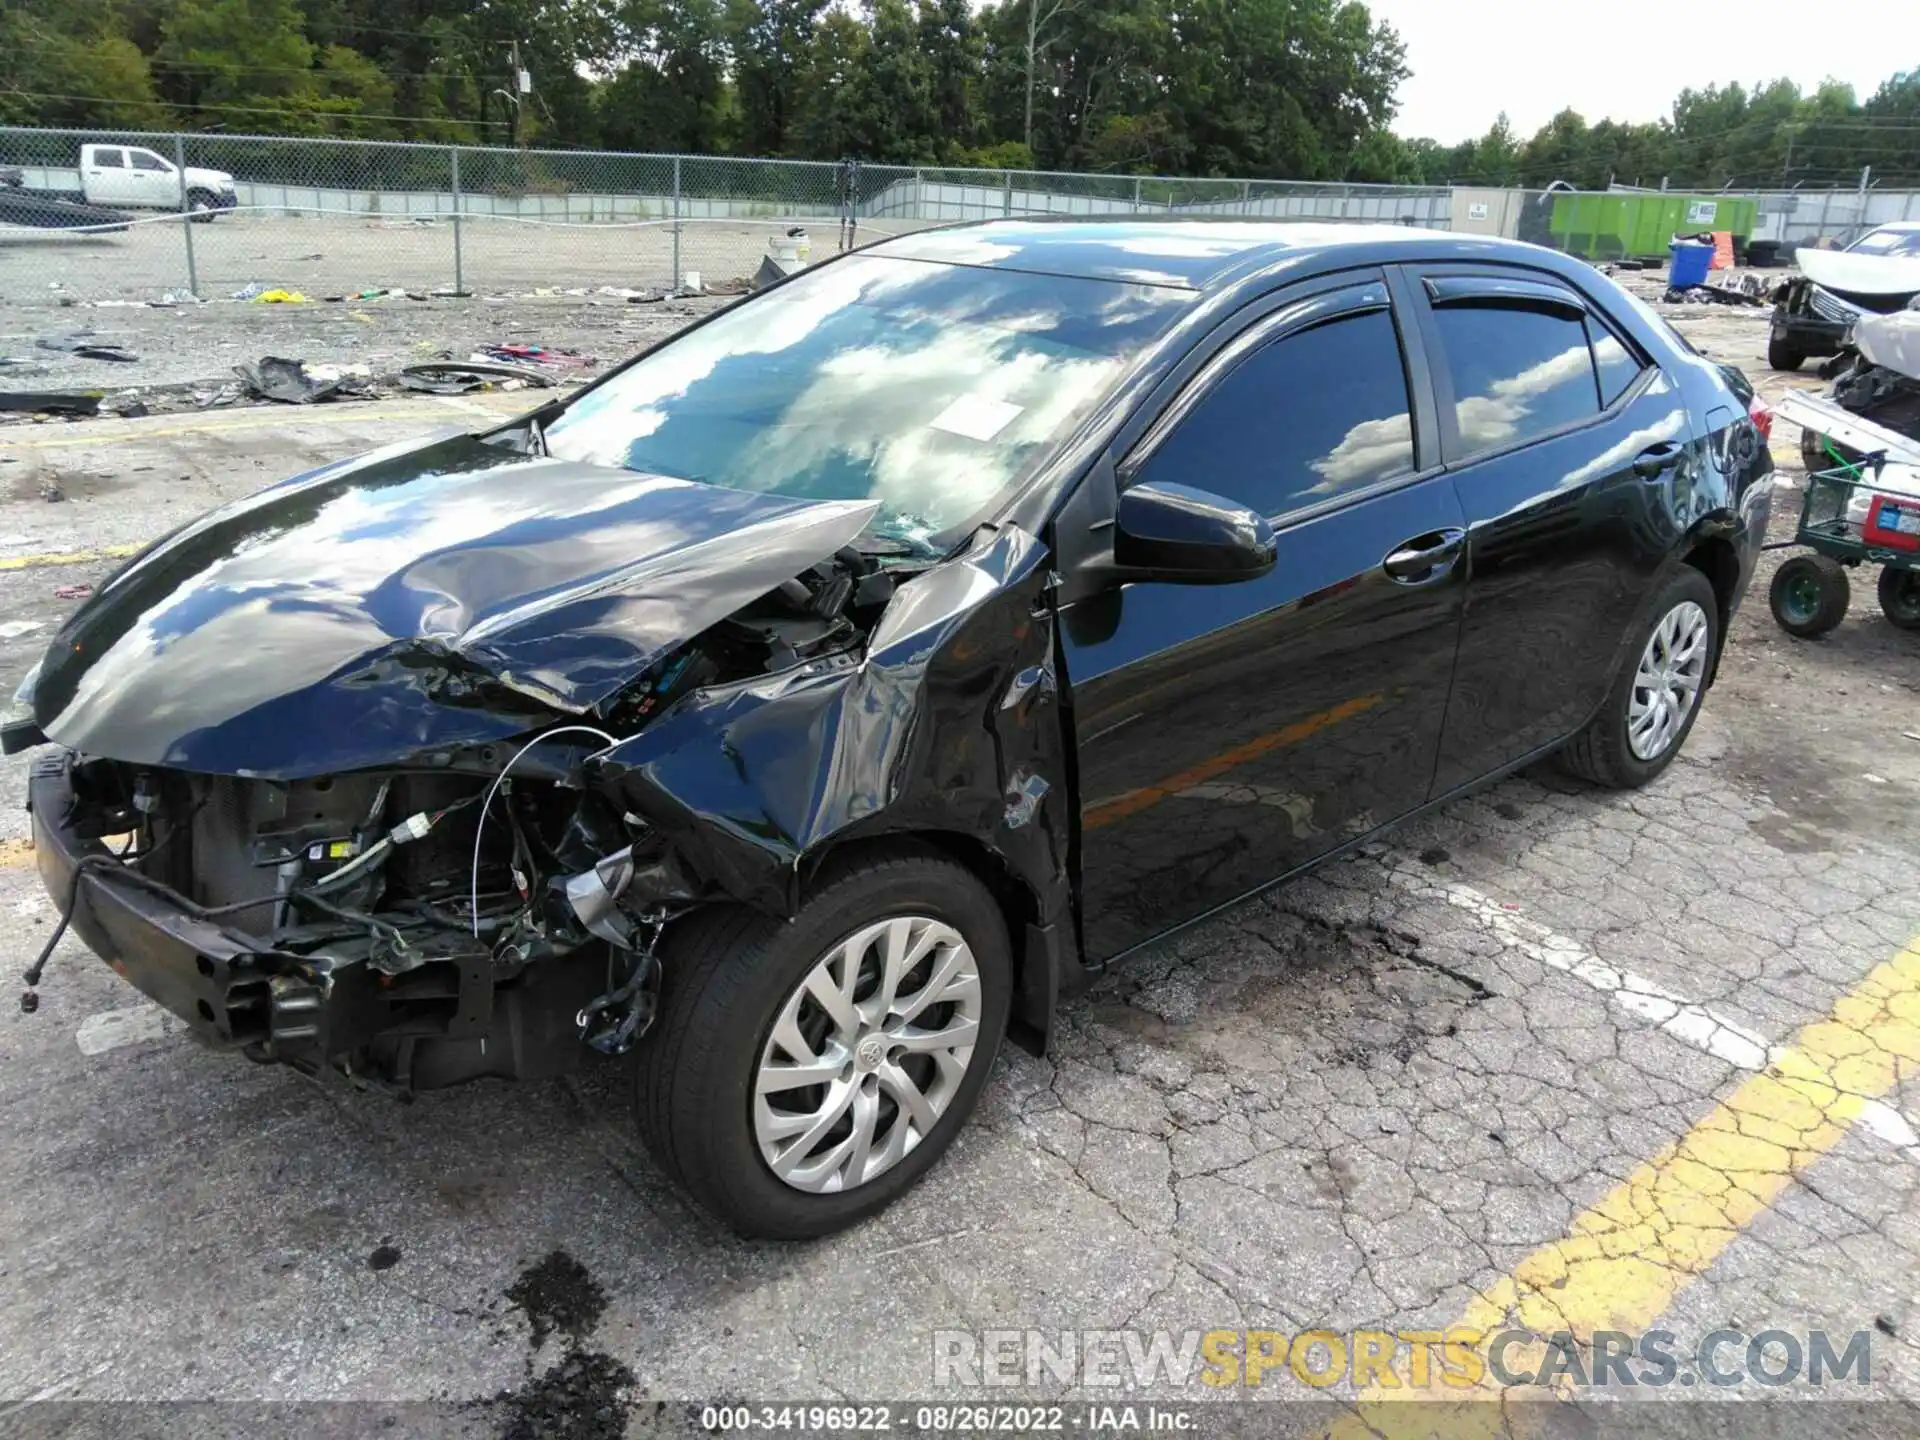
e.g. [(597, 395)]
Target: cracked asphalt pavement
[(1549, 1059)]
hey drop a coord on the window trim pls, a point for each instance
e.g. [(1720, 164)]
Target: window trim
[(1305, 313), (1511, 288)]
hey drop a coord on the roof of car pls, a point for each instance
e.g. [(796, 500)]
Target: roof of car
[(1192, 254)]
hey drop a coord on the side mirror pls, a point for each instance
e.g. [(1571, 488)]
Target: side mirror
[(1183, 536)]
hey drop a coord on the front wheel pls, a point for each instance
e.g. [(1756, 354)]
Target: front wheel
[(1900, 596), (803, 1075), (1782, 354), (1655, 699), (202, 204)]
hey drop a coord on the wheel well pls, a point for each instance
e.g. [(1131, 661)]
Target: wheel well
[(1031, 1016), (1716, 559)]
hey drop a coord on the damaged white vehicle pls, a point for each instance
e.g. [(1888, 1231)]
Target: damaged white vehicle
[(1879, 274)]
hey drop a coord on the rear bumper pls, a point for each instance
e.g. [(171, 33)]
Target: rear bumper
[(455, 1016)]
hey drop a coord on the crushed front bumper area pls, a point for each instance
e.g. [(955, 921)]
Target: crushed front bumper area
[(321, 1009)]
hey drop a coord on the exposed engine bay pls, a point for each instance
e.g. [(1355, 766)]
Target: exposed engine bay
[(391, 919)]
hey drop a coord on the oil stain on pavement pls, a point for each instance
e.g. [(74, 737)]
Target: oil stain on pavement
[(584, 1395)]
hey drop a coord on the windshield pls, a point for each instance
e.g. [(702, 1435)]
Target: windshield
[(930, 388), (1888, 242)]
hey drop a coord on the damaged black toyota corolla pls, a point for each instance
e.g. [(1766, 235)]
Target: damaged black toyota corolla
[(816, 699)]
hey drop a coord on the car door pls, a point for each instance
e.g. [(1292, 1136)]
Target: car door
[(153, 180), (107, 179), (1570, 450), (1227, 734)]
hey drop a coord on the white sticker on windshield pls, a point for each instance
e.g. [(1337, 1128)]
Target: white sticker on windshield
[(975, 417)]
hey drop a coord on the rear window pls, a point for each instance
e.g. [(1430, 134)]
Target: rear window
[(1518, 370)]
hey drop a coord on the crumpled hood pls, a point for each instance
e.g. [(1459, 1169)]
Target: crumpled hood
[(423, 595), (1847, 272)]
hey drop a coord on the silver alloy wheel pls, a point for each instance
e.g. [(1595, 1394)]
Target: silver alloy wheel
[(1666, 687), (867, 1054)]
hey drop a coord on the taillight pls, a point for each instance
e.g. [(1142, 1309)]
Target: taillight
[(1761, 416)]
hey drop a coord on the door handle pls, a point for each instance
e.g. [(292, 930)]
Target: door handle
[(1424, 556), (1656, 458)]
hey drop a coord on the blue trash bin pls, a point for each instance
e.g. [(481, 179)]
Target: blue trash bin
[(1689, 264)]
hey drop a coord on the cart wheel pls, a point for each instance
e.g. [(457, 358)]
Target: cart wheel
[(1809, 595), (1900, 596)]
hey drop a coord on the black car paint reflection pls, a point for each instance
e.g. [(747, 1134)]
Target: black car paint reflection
[(453, 593)]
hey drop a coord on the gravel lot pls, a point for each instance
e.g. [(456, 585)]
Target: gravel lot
[(1512, 1063)]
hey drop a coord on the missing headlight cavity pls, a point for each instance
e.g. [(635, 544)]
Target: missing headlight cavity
[(477, 909)]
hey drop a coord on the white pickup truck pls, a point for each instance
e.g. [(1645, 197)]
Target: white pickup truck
[(128, 175)]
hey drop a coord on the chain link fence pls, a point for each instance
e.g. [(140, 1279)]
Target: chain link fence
[(108, 215)]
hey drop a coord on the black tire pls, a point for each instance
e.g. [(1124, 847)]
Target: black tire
[(726, 973), (204, 204), (1601, 752), (1809, 595), (1782, 354), (1900, 596)]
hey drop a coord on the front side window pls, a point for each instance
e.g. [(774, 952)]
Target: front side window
[(147, 160), (1519, 371), (1310, 416), (929, 387)]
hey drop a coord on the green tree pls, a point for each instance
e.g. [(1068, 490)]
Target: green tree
[(672, 94), (237, 57), (837, 57), (769, 41), (65, 64)]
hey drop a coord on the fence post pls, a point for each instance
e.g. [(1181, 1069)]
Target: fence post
[(459, 269), (186, 213), (676, 222), (1006, 202)]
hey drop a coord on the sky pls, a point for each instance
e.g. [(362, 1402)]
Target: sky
[(1471, 59)]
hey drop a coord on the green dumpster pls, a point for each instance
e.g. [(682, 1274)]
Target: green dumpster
[(1637, 226)]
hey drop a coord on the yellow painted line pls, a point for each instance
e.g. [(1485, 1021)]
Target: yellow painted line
[(69, 557), (1625, 1260)]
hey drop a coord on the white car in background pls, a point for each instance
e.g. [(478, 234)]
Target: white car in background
[(133, 176), (1877, 274)]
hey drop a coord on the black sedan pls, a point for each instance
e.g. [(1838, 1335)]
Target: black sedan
[(823, 695)]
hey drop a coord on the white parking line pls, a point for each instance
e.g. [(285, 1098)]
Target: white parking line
[(1684, 1019)]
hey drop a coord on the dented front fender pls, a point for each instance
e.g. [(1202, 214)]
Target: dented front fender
[(949, 722)]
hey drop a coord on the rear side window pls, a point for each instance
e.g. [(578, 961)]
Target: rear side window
[(1619, 367), (109, 159), (1313, 415), (1518, 370)]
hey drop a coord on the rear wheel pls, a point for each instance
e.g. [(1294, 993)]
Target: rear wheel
[(803, 1075), (1810, 595), (1900, 596), (1650, 710)]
